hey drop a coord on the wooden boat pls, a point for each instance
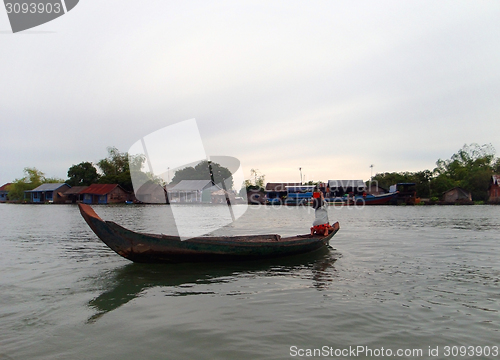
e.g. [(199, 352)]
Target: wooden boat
[(153, 248)]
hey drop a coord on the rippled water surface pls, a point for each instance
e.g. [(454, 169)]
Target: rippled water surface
[(393, 278)]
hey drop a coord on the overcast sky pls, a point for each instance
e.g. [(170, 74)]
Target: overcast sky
[(328, 86)]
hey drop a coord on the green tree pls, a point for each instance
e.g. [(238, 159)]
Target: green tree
[(116, 169), (17, 189), (202, 172), (83, 174), (496, 166), (470, 168), (140, 176), (385, 180), (257, 185), (441, 183), (115, 164), (422, 180), (258, 180), (315, 183), (32, 179)]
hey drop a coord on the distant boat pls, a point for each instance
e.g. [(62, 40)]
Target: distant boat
[(370, 199), (359, 200), (152, 248), (299, 194)]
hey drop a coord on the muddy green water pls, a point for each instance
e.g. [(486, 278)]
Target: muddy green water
[(394, 278)]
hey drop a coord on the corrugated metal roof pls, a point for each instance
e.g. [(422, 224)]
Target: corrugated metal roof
[(100, 189), (75, 190), (346, 183), (192, 185), (5, 187), (48, 187)]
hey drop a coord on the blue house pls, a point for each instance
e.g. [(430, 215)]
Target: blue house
[(276, 193), (4, 190), (299, 194), (52, 192)]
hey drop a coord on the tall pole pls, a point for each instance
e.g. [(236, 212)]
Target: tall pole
[(371, 172), (228, 201), (300, 169)]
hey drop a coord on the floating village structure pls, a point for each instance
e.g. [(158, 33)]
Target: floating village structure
[(375, 189), (4, 191), (299, 194), (406, 193), (74, 194), (275, 193), (151, 193), (457, 195), (104, 194), (340, 188), (193, 191), (50, 192), (494, 190)]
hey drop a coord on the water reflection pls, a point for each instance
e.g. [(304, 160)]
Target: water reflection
[(128, 282)]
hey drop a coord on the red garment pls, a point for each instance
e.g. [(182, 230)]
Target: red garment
[(320, 229)]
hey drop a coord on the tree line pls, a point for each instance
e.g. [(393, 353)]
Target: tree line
[(470, 168), (114, 169)]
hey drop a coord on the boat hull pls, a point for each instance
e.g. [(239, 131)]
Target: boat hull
[(154, 248), (376, 199), (382, 199)]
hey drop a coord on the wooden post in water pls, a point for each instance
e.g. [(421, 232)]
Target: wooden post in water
[(228, 201)]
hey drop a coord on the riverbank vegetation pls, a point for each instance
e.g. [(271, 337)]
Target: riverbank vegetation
[(114, 169), (32, 178), (470, 168)]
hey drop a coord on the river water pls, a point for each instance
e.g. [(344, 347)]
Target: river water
[(424, 281)]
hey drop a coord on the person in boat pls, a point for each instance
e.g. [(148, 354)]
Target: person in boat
[(321, 224)]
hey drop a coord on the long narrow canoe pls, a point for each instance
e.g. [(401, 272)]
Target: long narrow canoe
[(153, 248)]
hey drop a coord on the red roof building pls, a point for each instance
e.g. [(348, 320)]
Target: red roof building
[(494, 190), (104, 194), (4, 190)]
